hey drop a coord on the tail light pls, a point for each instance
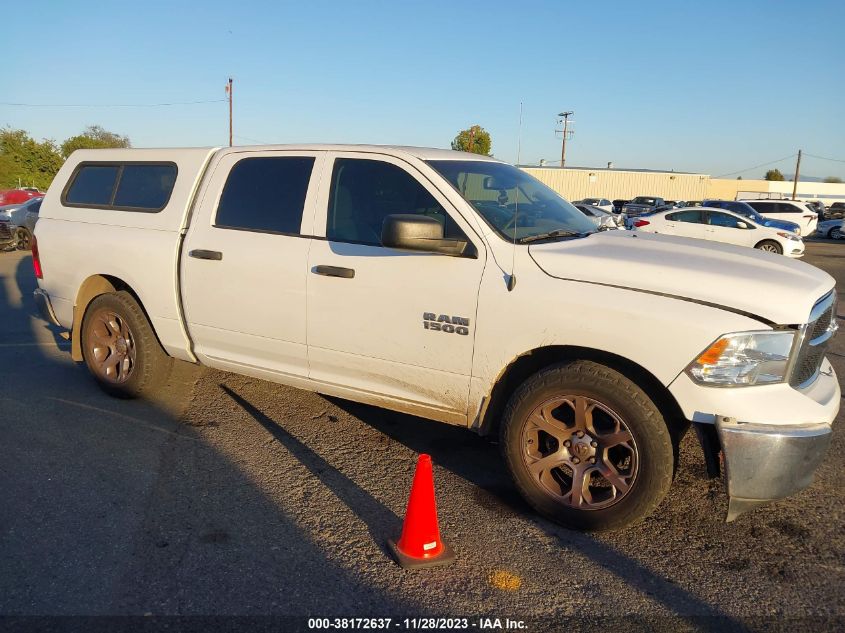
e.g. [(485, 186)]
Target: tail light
[(640, 223), (36, 260)]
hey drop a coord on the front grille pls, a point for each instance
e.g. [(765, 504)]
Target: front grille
[(815, 339), (5, 233)]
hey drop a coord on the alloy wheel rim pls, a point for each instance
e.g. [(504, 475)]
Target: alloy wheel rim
[(580, 452), (112, 347), (769, 248), (836, 234)]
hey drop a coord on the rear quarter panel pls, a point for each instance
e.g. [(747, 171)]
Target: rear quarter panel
[(139, 248)]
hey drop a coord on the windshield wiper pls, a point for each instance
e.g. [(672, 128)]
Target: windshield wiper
[(550, 234)]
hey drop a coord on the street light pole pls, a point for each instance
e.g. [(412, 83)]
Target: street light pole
[(565, 116)]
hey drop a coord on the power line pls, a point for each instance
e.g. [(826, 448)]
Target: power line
[(106, 105), (835, 160), (779, 160)]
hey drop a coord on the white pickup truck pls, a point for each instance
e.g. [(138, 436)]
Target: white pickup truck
[(454, 287)]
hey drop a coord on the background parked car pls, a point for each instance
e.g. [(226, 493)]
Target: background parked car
[(789, 210), (16, 213), (642, 205), (602, 203), (831, 229), (619, 204), (18, 196), (719, 225), (818, 206), (745, 209), (836, 210), (23, 220), (598, 216)]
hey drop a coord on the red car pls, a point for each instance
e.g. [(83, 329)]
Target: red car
[(16, 196)]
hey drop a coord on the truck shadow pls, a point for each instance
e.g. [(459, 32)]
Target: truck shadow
[(381, 522), (118, 508)]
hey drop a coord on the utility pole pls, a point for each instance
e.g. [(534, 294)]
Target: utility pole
[(797, 169), (471, 137), (566, 134), (231, 96)]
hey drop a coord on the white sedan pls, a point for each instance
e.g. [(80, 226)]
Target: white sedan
[(706, 223)]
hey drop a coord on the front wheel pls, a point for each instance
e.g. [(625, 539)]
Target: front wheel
[(835, 233), (586, 446), (770, 246)]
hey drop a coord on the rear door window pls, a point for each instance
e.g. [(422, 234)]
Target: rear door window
[(266, 194)]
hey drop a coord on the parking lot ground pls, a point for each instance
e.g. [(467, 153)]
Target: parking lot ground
[(226, 495)]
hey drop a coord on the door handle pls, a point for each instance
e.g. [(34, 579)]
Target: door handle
[(200, 253), (334, 271)]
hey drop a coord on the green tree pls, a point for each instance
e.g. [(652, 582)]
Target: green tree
[(94, 137), (833, 179), (25, 161), (774, 174), (474, 139)]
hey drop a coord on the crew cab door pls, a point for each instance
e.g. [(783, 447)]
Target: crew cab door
[(725, 227), (244, 262), (387, 324)]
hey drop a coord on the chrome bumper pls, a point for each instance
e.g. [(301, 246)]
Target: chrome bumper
[(768, 462), (45, 308)]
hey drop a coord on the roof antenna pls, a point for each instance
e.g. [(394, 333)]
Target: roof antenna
[(512, 276)]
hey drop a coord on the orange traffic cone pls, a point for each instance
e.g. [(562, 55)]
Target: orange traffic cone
[(420, 544)]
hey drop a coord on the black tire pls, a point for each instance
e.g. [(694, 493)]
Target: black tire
[(770, 246), (23, 239), (116, 334), (835, 233), (650, 452)]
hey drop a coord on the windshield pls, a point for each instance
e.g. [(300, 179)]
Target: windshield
[(643, 200), (515, 204)]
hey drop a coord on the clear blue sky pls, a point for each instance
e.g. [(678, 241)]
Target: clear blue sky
[(712, 86)]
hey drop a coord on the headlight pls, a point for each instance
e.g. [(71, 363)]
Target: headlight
[(789, 236), (744, 359)]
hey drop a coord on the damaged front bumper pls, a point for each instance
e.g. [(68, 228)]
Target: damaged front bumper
[(768, 462)]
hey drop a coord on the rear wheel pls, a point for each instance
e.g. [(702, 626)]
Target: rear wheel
[(120, 347), (770, 246), (586, 447), (23, 239)]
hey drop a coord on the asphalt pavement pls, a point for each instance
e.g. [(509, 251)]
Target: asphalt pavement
[(226, 495)]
